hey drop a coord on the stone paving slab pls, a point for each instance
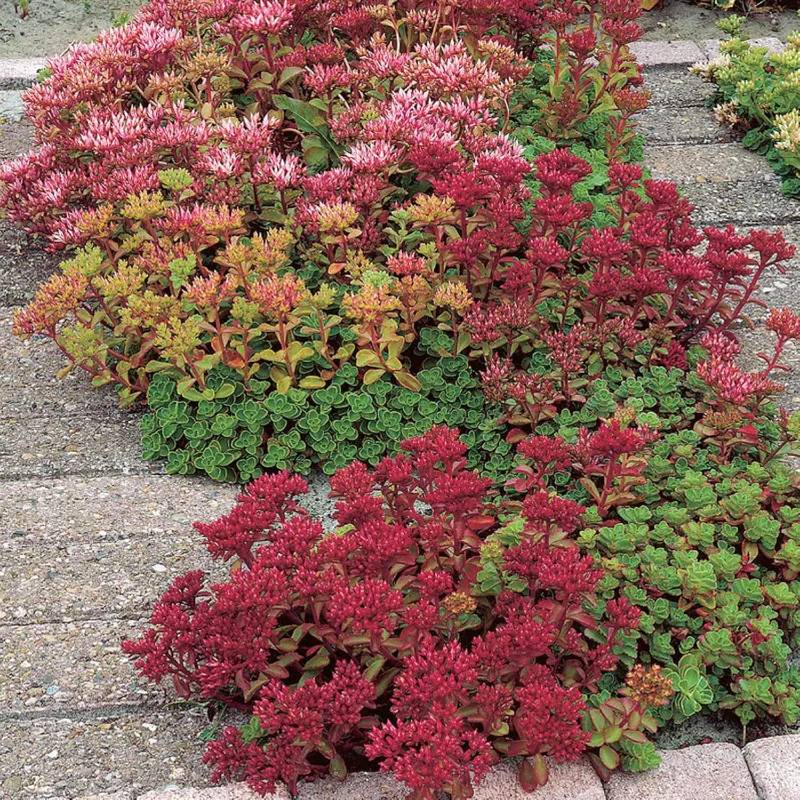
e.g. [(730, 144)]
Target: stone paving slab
[(567, 782), (671, 53), (16, 137), (42, 581), (674, 87), (660, 53), (725, 183), (759, 203), (101, 509), (11, 106), (691, 125), (705, 772), (775, 766), (718, 163), (68, 758), (82, 445), (29, 386), (710, 47), (23, 265), (77, 666), (27, 399), (760, 340), (236, 791)]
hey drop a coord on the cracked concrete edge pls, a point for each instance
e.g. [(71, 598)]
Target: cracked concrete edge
[(767, 768)]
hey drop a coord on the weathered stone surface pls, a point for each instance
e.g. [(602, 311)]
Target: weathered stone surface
[(666, 53), (47, 581), (23, 266), (710, 47), (775, 766), (691, 125), (705, 772), (15, 138), (675, 87), (361, 786), (11, 107), (67, 758), (29, 386), (98, 510), (77, 665), (236, 791), (19, 73), (717, 163), (50, 427), (753, 203), (760, 340), (567, 782), (85, 445)]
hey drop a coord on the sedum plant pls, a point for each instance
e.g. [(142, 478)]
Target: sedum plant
[(617, 301), (758, 95), (693, 516), (234, 435), (707, 551), (381, 641), (284, 189)]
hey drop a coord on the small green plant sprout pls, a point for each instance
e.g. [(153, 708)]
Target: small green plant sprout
[(732, 24)]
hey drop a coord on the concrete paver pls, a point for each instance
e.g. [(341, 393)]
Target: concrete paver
[(567, 782), (19, 73), (83, 445), (690, 125), (775, 766), (674, 87), (23, 264), (70, 757), (708, 163), (42, 581), (705, 772), (660, 53), (78, 666), (73, 510)]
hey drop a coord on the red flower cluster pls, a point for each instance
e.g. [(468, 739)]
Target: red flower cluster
[(375, 640), (636, 292)]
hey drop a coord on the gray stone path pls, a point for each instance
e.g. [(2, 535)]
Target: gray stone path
[(91, 535)]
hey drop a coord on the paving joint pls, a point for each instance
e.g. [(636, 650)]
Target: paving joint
[(83, 472)]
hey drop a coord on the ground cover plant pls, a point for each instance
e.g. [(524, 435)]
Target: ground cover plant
[(695, 526), (593, 134), (301, 233), (381, 642), (346, 212), (758, 96)]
